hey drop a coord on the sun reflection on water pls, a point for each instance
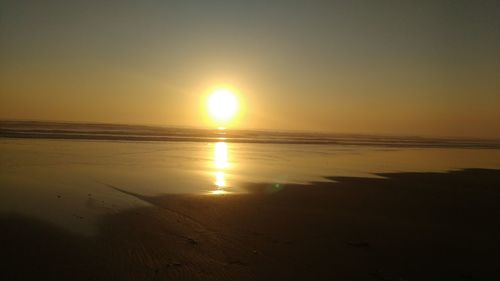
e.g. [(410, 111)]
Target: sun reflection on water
[(221, 163), (220, 180)]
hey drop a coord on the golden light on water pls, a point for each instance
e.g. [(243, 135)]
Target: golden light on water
[(221, 163), (220, 179), (222, 106)]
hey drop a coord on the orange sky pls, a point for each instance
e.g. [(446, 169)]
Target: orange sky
[(426, 69)]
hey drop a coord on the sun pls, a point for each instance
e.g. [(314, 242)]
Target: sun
[(222, 105)]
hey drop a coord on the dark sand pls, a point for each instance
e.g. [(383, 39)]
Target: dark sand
[(410, 226)]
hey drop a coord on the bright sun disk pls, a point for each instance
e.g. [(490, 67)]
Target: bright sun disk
[(222, 105)]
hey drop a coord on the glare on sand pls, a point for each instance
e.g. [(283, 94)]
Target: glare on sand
[(222, 106)]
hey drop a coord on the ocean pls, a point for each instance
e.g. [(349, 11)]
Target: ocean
[(63, 172)]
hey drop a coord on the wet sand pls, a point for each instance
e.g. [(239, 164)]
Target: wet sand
[(407, 226)]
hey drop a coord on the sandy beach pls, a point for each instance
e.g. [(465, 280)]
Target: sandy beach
[(406, 226)]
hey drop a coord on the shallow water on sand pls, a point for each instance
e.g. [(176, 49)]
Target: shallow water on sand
[(72, 183)]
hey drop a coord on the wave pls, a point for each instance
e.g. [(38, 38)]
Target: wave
[(117, 132)]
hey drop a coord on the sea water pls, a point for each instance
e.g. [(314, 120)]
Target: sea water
[(73, 174)]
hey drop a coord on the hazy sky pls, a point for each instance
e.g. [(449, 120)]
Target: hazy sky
[(386, 67)]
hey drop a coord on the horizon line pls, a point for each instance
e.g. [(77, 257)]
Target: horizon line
[(214, 128)]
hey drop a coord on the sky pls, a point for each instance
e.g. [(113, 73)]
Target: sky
[(428, 68)]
